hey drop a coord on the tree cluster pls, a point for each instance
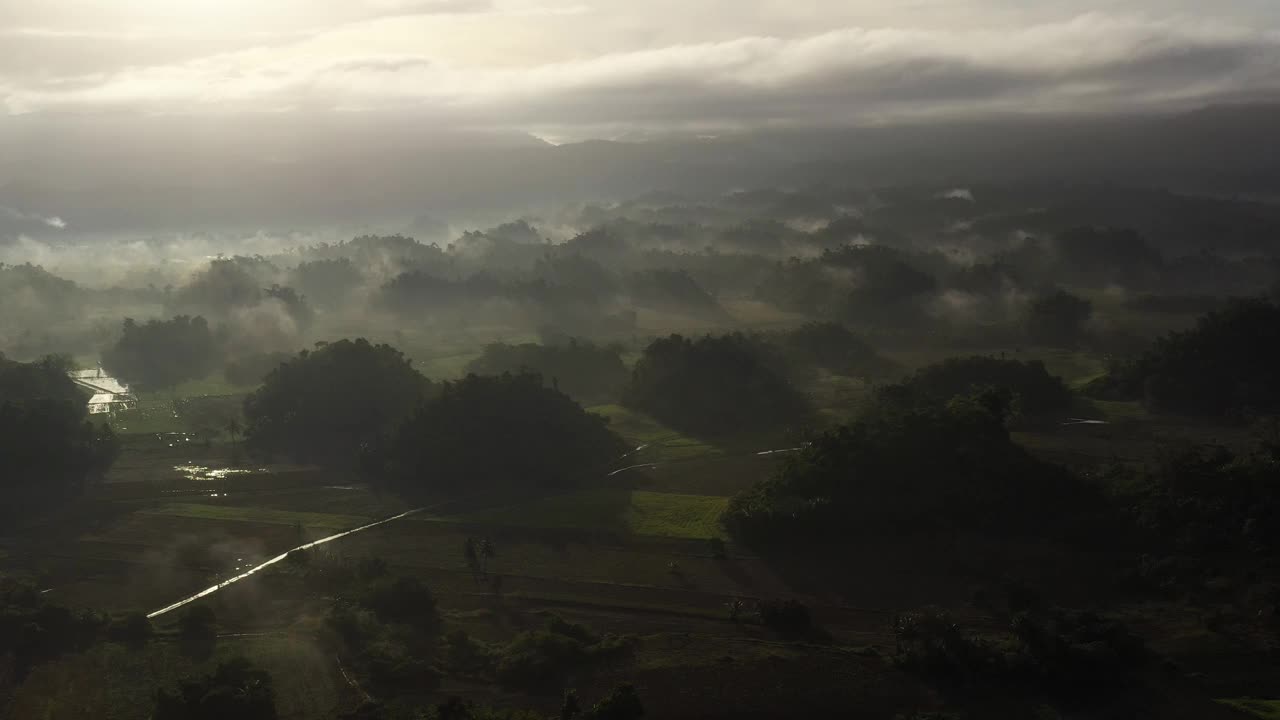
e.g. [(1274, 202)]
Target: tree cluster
[(160, 354), (327, 404), (923, 469), (506, 433), (1225, 365), (48, 447), (1031, 389), (714, 385)]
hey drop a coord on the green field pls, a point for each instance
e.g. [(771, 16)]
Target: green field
[(259, 515), (663, 442), (631, 512)]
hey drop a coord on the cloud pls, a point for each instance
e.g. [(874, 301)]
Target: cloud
[(52, 221), (1092, 62)]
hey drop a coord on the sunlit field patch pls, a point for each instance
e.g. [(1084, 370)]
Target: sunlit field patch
[(633, 512)]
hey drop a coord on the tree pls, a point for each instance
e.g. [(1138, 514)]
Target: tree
[(325, 405), (570, 707), (582, 370), (505, 434), (49, 449), (159, 354), (931, 468), (1032, 390), (1103, 256), (328, 282), (198, 631), (1058, 319), (236, 689), (714, 385), (226, 284), (833, 347)]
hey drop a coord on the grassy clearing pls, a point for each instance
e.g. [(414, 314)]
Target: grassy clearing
[(258, 515), (632, 512), (348, 500), (664, 443), (153, 415), (1269, 709)]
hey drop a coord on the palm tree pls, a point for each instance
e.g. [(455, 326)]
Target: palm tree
[(487, 552), (469, 552)]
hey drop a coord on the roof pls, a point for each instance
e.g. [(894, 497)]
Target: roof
[(98, 381)]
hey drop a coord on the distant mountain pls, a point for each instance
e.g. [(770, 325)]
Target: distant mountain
[(273, 170)]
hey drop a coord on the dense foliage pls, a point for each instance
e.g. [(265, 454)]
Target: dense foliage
[(832, 346), (235, 689), (1226, 364), (48, 447), (326, 404), (713, 386), (1078, 657), (1206, 499), (581, 369), (923, 469), (159, 354), (34, 630), (327, 282), (1032, 390), (508, 433), (861, 284)]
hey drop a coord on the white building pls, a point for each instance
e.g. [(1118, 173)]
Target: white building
[(108, 394)]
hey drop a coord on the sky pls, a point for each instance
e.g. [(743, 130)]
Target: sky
[(602, 68)]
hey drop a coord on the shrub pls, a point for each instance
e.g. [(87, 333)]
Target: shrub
[(785, 616), (402, 600), (538, 660)]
